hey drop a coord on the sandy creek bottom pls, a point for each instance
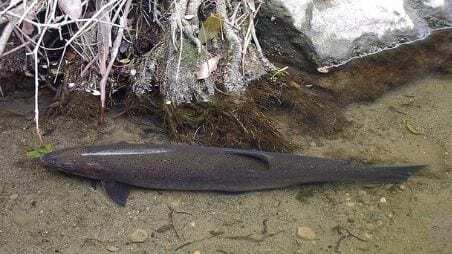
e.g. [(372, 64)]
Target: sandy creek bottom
[(48, 212)]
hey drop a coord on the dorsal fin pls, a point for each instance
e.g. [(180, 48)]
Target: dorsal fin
[(256, 155), (122, 143)]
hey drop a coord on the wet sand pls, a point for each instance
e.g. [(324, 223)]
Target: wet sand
[(48, 212)]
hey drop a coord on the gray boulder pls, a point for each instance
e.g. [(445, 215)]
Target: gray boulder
[(331, 33)]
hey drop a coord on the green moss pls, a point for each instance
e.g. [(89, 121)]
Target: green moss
[(37, 152), (190, 55)]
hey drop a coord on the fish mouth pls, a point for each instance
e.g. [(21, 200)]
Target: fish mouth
[(50, 160)]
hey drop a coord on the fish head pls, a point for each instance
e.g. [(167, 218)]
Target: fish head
[(72, 162)]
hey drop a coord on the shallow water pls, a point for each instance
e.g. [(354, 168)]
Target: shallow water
[(48, 212)]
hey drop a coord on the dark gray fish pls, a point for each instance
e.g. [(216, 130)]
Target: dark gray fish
[(201, 168)]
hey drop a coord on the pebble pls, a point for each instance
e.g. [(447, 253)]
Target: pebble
[(350, 204), (138, 236), (196, 252), (112, 248), (22, 219), (370, 226), (348, 201), (305, 233), (362, 193), (383, 200), (376, 216), (13, 197)]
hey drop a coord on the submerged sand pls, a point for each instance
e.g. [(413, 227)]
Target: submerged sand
[(48, 212)]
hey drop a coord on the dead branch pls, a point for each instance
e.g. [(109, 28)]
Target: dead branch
[(114, 53)]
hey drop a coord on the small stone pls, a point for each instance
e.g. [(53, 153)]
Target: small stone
[(112, 248), (349, 203), (138, 236), (370, 226), (402, 187), (362, 193), (196, 252), (383, 200), (22, 219), (13, 197), (305, 233), (376, 216)]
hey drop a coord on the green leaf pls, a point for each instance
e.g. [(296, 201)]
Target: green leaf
[(39, 151), (210, 28)]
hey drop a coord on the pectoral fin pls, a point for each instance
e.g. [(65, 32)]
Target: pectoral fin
[(93, 183), (118, 192)]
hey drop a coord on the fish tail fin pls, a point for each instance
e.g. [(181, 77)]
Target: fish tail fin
[(386, 174)]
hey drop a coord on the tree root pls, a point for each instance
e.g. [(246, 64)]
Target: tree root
[(241, 61)]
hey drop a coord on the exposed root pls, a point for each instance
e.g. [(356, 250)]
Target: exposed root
[(4, 38), (233, 43), (114, 53), (226, 122), (179, 22), (76, 105), (233, 80), (314, 111), (244, 121)]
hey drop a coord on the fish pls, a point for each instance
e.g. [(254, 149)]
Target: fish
[(184, 167)]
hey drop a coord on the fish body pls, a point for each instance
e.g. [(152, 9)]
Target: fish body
[(201, 168)]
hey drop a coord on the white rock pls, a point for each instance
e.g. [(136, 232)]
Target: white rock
[(138, 236), (306, 233), (336, 31)]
